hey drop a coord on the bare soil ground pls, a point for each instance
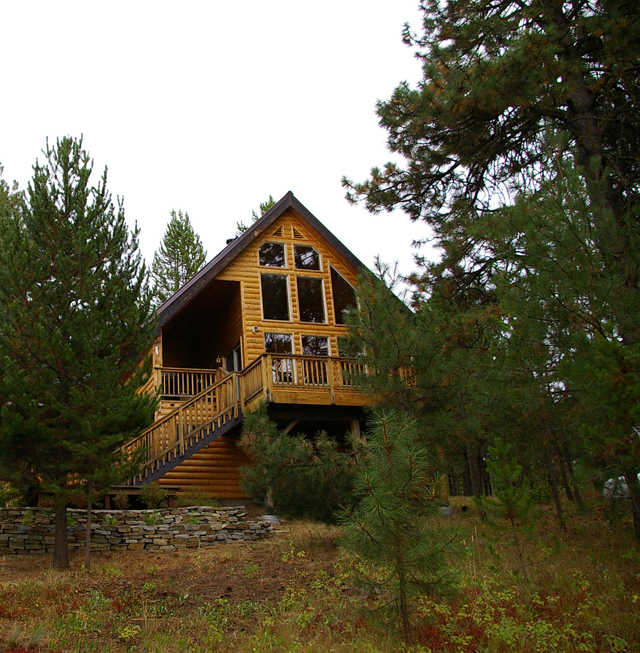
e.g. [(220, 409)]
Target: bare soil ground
[(244, 572)]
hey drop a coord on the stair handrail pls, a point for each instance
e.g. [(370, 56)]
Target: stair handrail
[(180, 446), (182, 406)]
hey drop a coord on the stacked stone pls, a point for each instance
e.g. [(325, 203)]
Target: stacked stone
[(26, 531)]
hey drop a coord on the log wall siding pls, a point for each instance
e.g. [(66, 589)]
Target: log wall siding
[(247, 270), (212, 471)]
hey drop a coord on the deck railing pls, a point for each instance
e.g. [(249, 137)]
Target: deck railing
[(176, 382), (294, 371)]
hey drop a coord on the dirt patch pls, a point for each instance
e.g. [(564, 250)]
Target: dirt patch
[(237, 572)]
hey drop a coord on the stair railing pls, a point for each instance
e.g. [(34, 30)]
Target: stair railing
[(186, 425)]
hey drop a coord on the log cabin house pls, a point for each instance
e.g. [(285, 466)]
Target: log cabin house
[(262, 321)]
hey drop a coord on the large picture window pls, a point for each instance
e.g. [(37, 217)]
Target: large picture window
[(311, 299), (275, 297), (306, 257), (344, 296), (271, 255)]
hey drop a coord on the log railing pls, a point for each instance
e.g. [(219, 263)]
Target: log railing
[(172, 435), (253, 380), (287, 370), (313, 371), (178, 383)]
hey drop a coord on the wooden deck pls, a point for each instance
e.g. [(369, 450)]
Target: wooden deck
[(201, 405)]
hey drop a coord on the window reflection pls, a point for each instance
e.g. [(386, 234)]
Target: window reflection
[(275, 297), (315, 346), (310, 299), (278, 343), (272, 255), (344, 297), (306, 257)]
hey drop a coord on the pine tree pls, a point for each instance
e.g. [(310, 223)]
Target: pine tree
[(400, 549), (179, 257), (496, 78), (522, 153), (241, 227), (512, 501), (428, 362), (302, 477), (76, 323)]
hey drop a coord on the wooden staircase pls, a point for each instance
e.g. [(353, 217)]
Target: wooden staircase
[(187, 444), (185, 431)]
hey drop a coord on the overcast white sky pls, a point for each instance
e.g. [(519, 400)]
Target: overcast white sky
[(210, 107)]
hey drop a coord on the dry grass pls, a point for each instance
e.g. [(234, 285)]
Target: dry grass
[(294, 593)]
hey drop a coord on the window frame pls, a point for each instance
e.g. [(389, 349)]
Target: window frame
[(289, 305), (274, 267), (295, 266), (322, 292)]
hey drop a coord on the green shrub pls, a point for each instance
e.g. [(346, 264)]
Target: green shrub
[(302, 477), (121, 501), (153, 495), (9, 496), (153, 518), (110, 520), (196, 498)]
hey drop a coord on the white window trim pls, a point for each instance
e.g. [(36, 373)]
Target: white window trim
[(273, 267), (289, 302)]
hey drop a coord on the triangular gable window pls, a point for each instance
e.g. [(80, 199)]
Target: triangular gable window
[(297, 235), (278, 232)]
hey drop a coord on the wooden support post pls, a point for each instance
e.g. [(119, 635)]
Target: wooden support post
[(330, 380), (291, 425), (267, 375), (355, 428), (241, 391)]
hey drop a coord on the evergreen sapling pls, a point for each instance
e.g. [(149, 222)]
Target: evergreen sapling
[(393, 531), (512, 501)]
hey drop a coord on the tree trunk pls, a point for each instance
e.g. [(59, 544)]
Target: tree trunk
[(61, 550), (553, 482), (565, 478), (404, 608), (574, 484), (516, 541), (474, 470), (453, 483), (634, 494), (467, 489), (87, 533)]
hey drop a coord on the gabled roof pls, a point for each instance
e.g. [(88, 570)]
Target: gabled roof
[(238, 245)]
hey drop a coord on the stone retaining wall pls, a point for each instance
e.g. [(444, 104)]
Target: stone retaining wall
[(25, 531)]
